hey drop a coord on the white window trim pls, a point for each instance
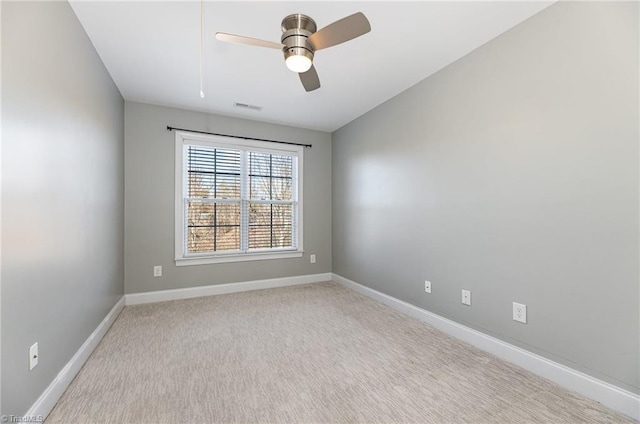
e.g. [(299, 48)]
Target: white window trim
[(184, 137)]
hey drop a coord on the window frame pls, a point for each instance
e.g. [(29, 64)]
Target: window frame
[(185, 138)]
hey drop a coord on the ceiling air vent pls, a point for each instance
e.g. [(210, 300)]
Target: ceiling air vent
[(248, 106)]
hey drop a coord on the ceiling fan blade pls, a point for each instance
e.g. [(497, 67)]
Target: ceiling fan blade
[(310, 79), (230, 38), (340, 31)]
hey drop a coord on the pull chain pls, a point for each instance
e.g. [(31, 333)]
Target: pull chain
[(201, 48)]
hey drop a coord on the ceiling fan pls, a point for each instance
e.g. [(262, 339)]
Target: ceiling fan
[(300, 41)]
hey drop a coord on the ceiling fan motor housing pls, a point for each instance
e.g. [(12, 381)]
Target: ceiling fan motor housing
[(296, 30)]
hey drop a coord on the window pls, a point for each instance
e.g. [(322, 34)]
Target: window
[(236, 200)]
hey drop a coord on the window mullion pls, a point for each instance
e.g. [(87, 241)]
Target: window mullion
[(244, 202), (294, 207), (271, 198)]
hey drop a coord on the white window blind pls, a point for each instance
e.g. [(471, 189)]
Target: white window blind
[(236, 200), (213, 201)]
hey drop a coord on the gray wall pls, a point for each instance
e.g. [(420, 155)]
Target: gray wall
[(512, 173), (150, 199), (62, 194)]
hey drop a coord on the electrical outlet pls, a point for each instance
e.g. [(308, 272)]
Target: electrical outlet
[(520, 312), (33, 356), (157, 271), (466, 297), (312, 259), (427, 286)]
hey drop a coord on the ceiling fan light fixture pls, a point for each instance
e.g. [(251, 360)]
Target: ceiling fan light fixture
[(298, 59), (298, 63)]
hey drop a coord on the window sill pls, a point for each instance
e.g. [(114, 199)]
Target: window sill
[(245, 257)]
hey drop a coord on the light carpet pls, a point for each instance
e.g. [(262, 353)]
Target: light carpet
[(316, 353)]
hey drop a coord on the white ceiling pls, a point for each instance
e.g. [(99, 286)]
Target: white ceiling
[(151, 49)]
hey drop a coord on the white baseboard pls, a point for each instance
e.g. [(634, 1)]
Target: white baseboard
[(48, 399), (191, 292), (612, 396)]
